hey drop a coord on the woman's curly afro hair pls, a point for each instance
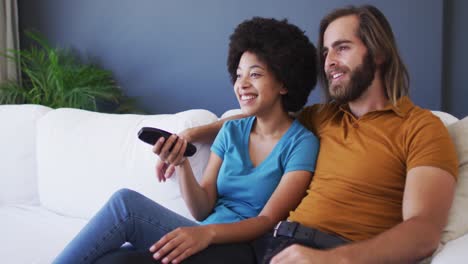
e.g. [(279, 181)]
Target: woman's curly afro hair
[(286, 51)]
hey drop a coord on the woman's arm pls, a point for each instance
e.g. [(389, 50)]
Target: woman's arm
[(186, 241), (285, 198), (199, 198)]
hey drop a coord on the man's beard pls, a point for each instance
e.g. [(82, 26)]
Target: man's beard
[(360, 80)]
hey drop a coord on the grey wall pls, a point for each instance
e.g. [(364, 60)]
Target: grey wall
[(171, 54), (455, 88)]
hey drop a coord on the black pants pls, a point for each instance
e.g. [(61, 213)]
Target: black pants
[(259, 251), (267, 246)]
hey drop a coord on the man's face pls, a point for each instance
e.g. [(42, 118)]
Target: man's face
[(348, 66)]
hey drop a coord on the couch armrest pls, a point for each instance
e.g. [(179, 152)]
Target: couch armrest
[(454, 252)]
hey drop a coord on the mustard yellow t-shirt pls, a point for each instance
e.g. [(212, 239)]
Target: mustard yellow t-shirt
[(357, 189)]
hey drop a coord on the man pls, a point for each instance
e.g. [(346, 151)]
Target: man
[(386, 170)]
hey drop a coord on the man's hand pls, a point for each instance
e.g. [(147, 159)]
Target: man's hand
[(297, 254), (181, 243)]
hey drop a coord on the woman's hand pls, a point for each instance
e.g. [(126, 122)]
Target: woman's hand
[(181, 243), (189, 134), (171, 154), (163, 170)]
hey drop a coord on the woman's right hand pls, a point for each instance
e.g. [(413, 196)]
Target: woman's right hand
[(165, 167)]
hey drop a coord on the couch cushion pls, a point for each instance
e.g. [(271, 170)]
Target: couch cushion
[(458, 217), (18, 153), (83, 157), (454, 252), (33, 234)]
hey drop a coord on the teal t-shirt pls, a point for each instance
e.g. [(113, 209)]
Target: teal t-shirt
[(243, 189)]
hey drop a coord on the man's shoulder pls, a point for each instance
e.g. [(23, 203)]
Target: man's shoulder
[(429, 141), (418, 116), (422, 127), (312, 116), (301, 133), (413, 113), (320, 107)]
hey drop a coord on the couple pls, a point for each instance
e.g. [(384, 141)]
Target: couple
[(383, 181)]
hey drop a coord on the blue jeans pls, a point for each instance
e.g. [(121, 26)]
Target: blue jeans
[(127, 217)]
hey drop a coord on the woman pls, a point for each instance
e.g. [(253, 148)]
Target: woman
[(259, 168)]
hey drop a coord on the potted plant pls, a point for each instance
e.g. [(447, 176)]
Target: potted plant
[(56, 78)]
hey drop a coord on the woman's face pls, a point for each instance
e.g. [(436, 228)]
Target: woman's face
[(256, 88)]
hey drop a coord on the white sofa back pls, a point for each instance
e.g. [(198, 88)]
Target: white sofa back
[(83, 157), (18, 153)]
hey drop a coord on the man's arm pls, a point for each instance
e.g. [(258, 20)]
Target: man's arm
[(427, 199), (206, 133)]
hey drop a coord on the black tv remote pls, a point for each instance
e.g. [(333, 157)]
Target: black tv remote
[(150, 135)]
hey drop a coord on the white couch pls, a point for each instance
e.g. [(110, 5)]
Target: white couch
[(57, 167)]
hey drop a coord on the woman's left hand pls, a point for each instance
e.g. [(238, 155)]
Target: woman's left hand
[(181, 243)]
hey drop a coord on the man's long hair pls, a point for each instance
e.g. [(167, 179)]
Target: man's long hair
[(375, 32)]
